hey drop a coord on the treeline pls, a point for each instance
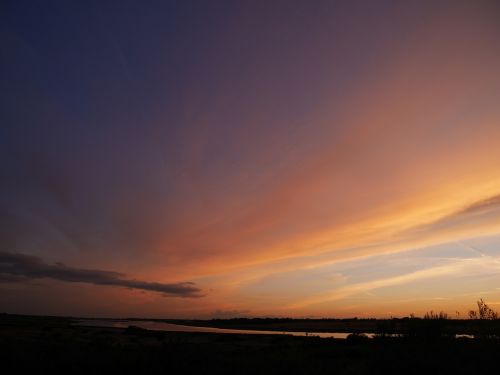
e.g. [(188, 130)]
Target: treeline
[(480, 323)]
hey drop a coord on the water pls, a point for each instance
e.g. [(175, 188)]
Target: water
[(161, 326)]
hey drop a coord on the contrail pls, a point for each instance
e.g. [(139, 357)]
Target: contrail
[(479, 251)]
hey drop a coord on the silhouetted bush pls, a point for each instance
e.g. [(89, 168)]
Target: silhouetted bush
[(486, 320), (357, 338), (431, 326), (134, 330), (483, 312)]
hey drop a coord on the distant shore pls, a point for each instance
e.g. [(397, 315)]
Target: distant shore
[(56, 345)]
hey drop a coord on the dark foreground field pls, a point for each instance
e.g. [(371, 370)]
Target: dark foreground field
[(36, 345)]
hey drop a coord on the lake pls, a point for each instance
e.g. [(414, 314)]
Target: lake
[(161, 326)]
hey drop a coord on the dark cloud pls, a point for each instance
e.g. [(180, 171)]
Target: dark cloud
[(227, 314), (480, 206), (17, 267), (473, 214)]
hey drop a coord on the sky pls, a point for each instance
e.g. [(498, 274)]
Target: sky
[(201, 159)]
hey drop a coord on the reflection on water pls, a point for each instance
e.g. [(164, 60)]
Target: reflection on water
[(464, 336), (160, 326)]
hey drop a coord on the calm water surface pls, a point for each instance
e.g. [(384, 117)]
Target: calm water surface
[(160, 326)]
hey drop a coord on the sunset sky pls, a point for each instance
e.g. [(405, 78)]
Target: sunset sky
[(205, 159)]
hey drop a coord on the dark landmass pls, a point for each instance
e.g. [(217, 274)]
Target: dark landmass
[(48, 345), (403, 326)]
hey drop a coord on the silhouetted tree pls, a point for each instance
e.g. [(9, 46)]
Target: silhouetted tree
[(432, 315), (483, 312), (487, 319)]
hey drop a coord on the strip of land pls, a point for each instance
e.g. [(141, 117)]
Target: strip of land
[(56, 345)]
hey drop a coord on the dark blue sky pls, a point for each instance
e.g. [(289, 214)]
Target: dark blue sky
[(102, 100)]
